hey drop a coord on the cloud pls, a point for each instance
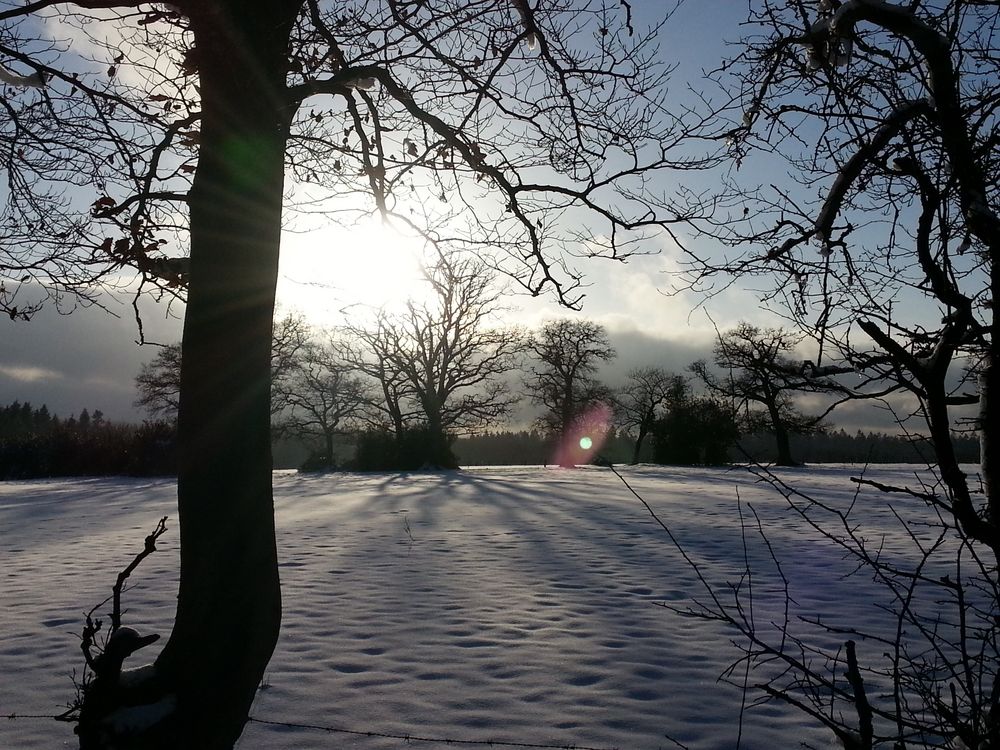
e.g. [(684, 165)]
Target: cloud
[(87, 359), (636, 348), (29, 374), (647, 295)]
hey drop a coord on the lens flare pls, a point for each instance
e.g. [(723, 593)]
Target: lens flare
[(584, 438)]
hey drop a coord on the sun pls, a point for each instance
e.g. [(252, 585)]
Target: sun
[(339, 273)]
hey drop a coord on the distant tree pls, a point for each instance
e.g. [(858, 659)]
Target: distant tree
[(447, 354), (647, 392), (368, 350), (21, 419), (860, 447), (159, 380), (324, 399), (83, 446), (9, 418), (290, 335), (758, 370), (563, 381), (695, 431), (159, 383), (43, 420)]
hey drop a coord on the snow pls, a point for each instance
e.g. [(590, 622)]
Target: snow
[(515, 604), (365, 83), (35, 80)]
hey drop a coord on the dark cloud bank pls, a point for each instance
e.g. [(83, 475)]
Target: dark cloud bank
[(88, 359)]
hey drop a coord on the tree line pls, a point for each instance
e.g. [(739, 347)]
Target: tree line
[(531, 447), (37, 443), (397, 391)]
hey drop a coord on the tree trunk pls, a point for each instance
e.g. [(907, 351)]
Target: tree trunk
[(643, 429), (780, 437), (229, 607), (328, 438), (392, 407), (567, 410), (438, 450), (566, 419)]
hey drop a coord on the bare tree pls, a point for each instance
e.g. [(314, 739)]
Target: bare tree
[(324, 397), (97, 164), (886, 254), (757, 369), (183, 136), (159, 380), (647, 392), (448, 352), (289, 339), (368, 350), (563, 381), (159, 383)]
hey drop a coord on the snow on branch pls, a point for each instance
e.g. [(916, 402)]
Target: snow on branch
[(34, 80), (528, 21)]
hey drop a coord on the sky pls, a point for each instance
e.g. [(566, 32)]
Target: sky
[(89, 359)]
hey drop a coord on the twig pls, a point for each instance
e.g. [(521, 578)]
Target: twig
[(866, 729), (148, 549)]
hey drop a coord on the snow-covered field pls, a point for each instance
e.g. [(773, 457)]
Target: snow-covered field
[(506, 604)]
